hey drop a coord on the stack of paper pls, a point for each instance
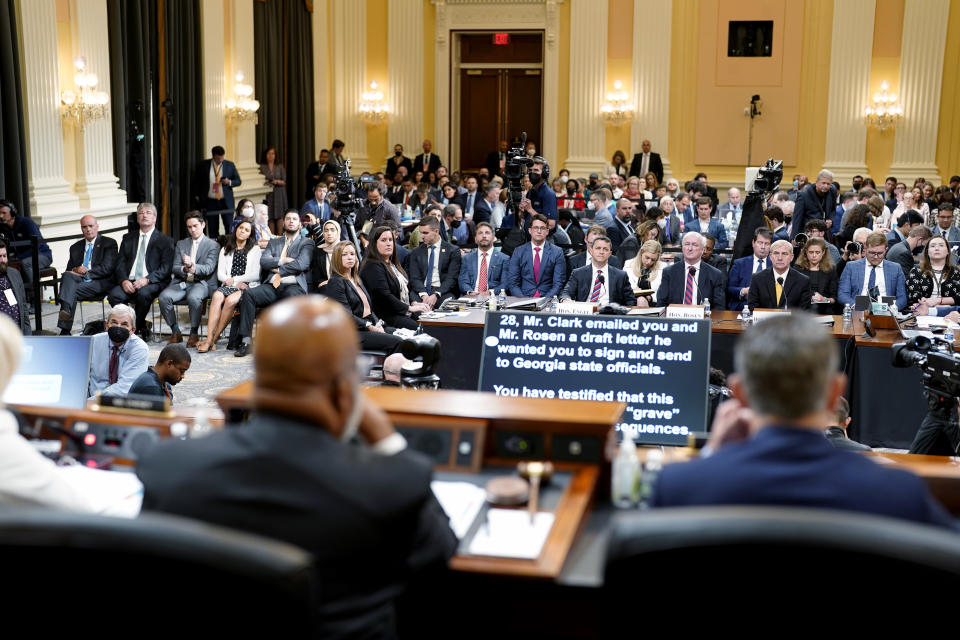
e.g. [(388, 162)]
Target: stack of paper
[(461, 501)]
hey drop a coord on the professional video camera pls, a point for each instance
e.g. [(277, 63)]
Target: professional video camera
[(938, 433), (516, 165), (347, 200), (764, 179)]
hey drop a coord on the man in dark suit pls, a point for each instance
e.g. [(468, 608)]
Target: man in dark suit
[(623, 224), (285, 264), (89, 273), (406, 196), (316, 171), (398, 160), (458, 230), (902, 253), (297, 472), (496, 159), (691, 281), (907, 221), (483, 270), (194, 278), (11, 286), (427, 161), (944, 227), (704, 223), (599, 282), (780, 287), (582, 259), (817, 200), (484, 209), (708, 191), (434, 266), (787, 460), (143, 267), (213, 183), (537, 269), (743, 269), (645, 162)]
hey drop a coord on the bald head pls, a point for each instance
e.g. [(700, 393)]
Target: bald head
[(305, 361), (89, 228)]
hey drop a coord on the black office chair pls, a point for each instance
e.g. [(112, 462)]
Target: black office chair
[(743, 558), (157, 574)]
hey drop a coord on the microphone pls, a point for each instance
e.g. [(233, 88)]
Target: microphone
[(601, 279)]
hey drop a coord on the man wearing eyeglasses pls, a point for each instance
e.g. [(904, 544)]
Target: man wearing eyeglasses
[(873, 276), (537, 268)]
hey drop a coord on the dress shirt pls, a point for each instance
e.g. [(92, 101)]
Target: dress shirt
[(133, 356), (146, 244), (780, 275), (759, 264), (604, 286), (533, 255), (472, 199), (880, 283), (435, 276), (480, 254), (645, 165), (216, 172), (193, 257), (696, 279)]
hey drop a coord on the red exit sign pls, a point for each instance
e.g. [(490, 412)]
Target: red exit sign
[(501, 38)]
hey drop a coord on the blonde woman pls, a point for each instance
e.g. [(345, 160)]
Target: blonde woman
[(645, 271)]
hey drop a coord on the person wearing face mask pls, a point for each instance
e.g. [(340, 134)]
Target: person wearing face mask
[(398, 160), (341, 483), (117, 356)]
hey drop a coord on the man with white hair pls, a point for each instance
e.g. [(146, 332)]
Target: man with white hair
[(779, 287), (817, 200), (691, 281), (117, 356)]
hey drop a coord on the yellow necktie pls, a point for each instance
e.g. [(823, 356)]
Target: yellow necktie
[(779, 286)]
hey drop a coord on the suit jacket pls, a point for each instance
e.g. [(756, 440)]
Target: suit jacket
[(314, 207), (674, 224), (397, 199), (206, 261), (851, 282), (483, 213), (158, 258), (710, 283), (618, 233), (903, 256), (301, 250), (449, 267), (470, 269), (763, 292), (16, 283), (655, 165), (434, 164), (893, 238), (339, 289), (809, 207), (368, 519), (315, 171), (201, 183), (580, 286), (740, 274), (578, 260), (103, 260), (553, 271), (393, 164), (384, 289), (714, 228), (783, 465), (953, 234)]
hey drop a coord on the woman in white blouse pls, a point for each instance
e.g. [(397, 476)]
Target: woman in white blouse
[(237, 270)]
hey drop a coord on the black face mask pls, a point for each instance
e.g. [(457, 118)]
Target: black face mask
[(917, 250), (571, 189), (454, 223), (398, 153), (534, 178), (118, 334)]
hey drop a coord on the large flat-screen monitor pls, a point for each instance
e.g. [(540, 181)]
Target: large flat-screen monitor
[(659, 366), (54, 371)]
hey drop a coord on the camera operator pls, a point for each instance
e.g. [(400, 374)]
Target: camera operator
[(378, 209), (540, 198)]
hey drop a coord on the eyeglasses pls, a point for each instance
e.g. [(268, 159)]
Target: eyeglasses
[(875, 254), (538, 228)]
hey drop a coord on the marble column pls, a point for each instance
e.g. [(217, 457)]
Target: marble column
[(405, 45), (49, 191), (651, 77), (321, 90), (551, 84), (242, 139), (349, 19), (214, 67), (851, 51), (588, 56), (921, 74)]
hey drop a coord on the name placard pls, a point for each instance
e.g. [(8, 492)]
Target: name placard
[(685, 311), (763, 314), (577, 308)]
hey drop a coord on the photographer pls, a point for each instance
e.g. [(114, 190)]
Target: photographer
[(379, 209), (853, 250), (540, 198)]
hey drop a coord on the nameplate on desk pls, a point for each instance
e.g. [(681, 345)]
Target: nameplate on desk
[(765, 314), (133, 403), (577, 308), (685, 311)]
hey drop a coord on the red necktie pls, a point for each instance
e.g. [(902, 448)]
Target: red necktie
[(114, 364), (482, 279), (688, 291), (595, 296)]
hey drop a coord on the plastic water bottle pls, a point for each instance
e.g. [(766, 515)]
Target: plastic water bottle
[(746, 315), (553, 304), (847, 314), (625, 475), (948, 335), (706, 308), (502, 299)]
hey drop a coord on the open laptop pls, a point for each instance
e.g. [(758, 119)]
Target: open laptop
[(906, 334)]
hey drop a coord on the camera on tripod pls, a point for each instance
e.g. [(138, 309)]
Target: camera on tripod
[(517, 164), (937, 362)]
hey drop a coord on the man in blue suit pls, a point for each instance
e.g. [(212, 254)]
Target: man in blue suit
[(537, 269), (873, 272), (599, 282), (691, 280), (213, 183), (944, 227), (738, 283), (474, 278), (788, 461), (705, 224), (318, 205)]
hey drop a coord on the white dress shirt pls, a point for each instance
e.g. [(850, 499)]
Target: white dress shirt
[(480, 254), (880, 284), (604, 286)]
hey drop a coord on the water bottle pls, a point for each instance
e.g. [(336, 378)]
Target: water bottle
[(553, 304), (502, 299), (706, 307), (625, 475), (201, 426), (948, 335), (847, 314), (745, 315)]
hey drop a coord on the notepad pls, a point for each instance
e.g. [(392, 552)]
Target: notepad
[(508, 533), (112, 493), (461, 501)]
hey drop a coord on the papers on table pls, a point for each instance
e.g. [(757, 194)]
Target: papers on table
[(508, 533), (645, 311), (927, 322), (461, 501), (112, 493)]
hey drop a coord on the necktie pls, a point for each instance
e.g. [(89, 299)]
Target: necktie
[(482, 278), (779, 287), (88, 254), (688, 290), (872, 282), (430, 263), (139, 270), (536, 264), (283, 254), (469, 203), (759, 266), (114, 365), (216, 183), (595, 295)]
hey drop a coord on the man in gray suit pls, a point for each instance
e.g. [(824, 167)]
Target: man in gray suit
[(284, 263), (194, 277), (13, 297), (944, 227)]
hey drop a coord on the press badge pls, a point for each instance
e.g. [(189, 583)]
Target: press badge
[(11, 299)]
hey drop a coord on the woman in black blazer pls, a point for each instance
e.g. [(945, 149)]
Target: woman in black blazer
[(345, 287), (814, 262), (387, 282)]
